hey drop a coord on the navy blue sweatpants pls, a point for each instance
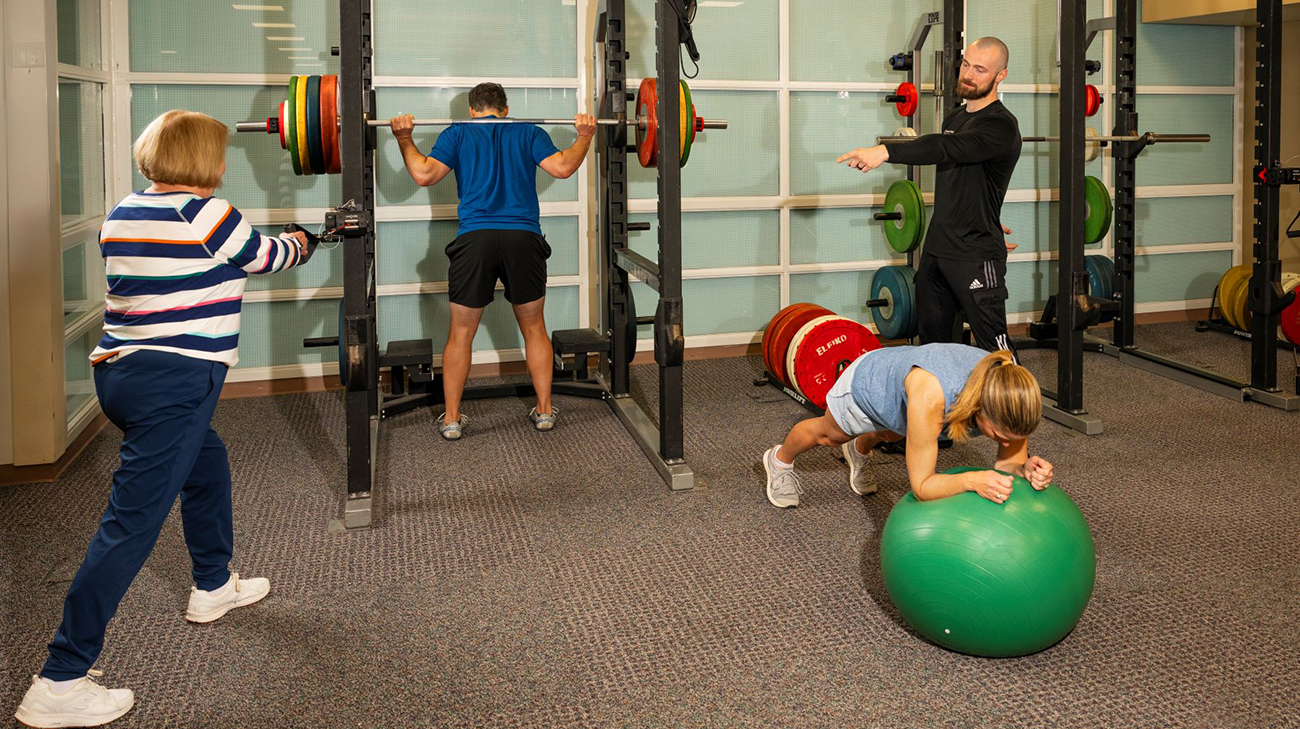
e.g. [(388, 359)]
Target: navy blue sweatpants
[(163, 403)]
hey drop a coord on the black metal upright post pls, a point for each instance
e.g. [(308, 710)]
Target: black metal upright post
[(1072, 280), (358, 335), (1126, 124), (612, 209), (954, 24), (1264, 290), (669, 325)]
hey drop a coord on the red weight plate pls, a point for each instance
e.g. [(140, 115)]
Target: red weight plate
[(817, 353), (1092, 100), (329, 120), (769, 334), (1290, 324), (799, 335), (911, 99), (785, 331), (283, 120), (647, 108)]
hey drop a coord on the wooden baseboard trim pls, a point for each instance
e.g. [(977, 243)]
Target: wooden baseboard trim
[(49, 472)]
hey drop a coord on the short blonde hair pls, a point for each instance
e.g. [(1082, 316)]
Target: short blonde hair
[(182, 148), (1005, 392)]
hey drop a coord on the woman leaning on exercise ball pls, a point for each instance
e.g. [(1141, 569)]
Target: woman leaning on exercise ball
[(917, 393)]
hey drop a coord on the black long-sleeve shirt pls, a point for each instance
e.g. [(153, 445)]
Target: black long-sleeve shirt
[(975, 157)]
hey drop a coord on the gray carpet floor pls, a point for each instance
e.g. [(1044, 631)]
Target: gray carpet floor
[(519, 579)]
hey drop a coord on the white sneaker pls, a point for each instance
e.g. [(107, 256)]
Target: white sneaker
[(208, 605), (783, 488), (861, 480), (86, 703)]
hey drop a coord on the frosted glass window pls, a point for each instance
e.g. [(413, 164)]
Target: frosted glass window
[(81, 151), (79, 33)]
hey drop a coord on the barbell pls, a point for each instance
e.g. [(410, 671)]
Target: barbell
[(307, 124)]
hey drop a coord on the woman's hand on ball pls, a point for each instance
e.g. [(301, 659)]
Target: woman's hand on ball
[(991, 485), (1039, 473)]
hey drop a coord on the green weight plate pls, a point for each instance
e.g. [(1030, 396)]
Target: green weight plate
[(904, 198), (292, 132), (1099, 210), (898, 318), (315, 146)]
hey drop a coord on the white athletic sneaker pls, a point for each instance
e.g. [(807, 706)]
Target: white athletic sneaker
[(783, 487), (861, 479), (86, 703), (208, 605)]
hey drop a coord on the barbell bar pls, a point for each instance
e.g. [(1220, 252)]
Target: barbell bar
[(640, 122), (1149, 138)]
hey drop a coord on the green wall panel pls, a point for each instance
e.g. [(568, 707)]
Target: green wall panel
[(81, 150), (725, 53), (1028, 27), (1185, 55), (394, 184), (217, 37), (1187, 164), (1174, 221), (504, 38), (79, 30), (851, 40), (421, 316), (718, 305), (718, 239), (78, 381), (258, 172), (1179, 276), (271, 332), (843, 292), (744, 159), (838, 235), (414, 251)]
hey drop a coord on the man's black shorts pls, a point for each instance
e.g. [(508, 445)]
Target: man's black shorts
[(480, 258)]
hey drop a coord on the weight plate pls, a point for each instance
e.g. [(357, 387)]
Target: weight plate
[(681, 123), (1289, 326), (823, 352), (688, 122), (329, 123), (1101, 273), (300, 101), (283, 120), (911, 99), (898, 318), (1091, 149), (315, 142), (1091, 100), (904, 198), (769, 334), (905, 132), (647, 135), (343, 348), (292, 102), (1232, 283), (1098, 209), (785, 331), (913, 320), (790, 351)]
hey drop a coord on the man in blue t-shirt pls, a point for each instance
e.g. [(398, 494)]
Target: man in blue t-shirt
[(500, 236)]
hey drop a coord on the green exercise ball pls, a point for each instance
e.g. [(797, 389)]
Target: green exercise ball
[(988, 579)]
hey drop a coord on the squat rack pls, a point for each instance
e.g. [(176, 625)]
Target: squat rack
[(365, 403)]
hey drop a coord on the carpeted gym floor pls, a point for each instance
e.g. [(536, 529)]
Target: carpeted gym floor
[(520, 579)]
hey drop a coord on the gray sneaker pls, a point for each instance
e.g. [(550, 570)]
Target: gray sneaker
[(861, 479), (543, 422), (783, 487), (453, 430)]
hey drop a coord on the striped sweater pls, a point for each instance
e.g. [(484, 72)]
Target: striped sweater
[(176, 265)]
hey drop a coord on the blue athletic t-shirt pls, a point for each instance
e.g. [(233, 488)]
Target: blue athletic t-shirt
[(496, 173), (878, 382)]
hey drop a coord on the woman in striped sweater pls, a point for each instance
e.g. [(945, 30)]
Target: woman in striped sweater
[(176, 259)]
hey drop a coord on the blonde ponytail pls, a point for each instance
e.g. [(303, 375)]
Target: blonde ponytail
[(1005, 392)]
